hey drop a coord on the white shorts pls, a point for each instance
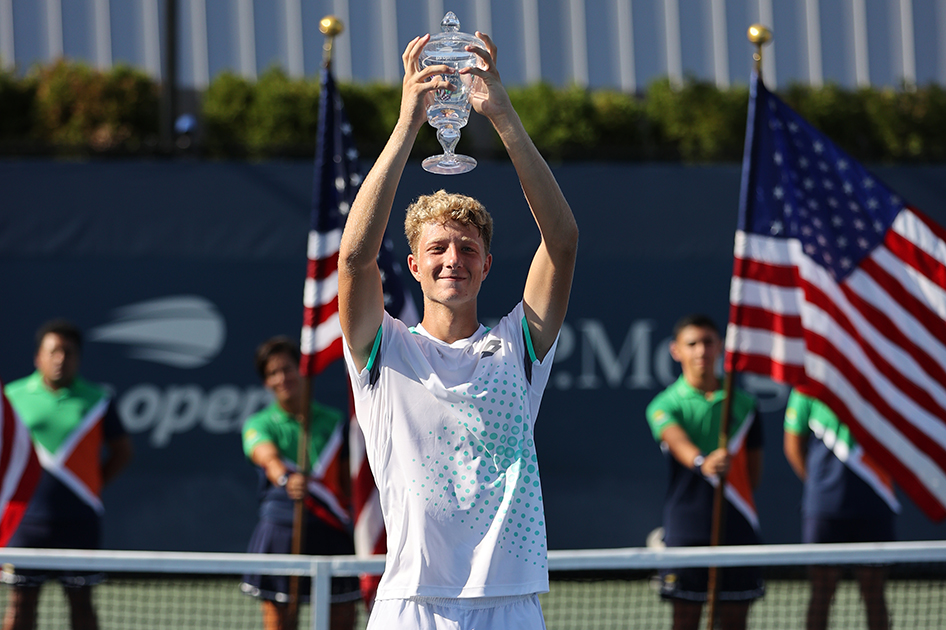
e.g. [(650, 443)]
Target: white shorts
[(521, 612)]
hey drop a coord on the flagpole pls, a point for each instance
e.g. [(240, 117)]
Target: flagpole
[(330, 26), (719, 497), (759, 35), (298, 514)]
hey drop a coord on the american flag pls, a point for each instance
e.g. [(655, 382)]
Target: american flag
[(19, 469), (337, 177), (839, 288), (336, 182)]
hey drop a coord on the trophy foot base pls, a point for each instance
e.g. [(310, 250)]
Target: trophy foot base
[(449, 165)]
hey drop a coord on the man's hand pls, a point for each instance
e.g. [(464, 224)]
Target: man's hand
[(488, 96), (295, 486), (419, 83), (716, 463)]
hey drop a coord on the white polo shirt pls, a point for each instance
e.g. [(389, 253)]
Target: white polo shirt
[(449, 435)]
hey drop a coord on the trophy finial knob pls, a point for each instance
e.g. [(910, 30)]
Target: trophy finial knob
[(450, 23)]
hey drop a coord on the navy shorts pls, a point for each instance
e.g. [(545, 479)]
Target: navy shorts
[(821, 529), (81, 534), (736, 584), (320, 539)]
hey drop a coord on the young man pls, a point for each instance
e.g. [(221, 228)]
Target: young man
[(271, 441), (82, 446), (847, 498), (448, 408), (685, 419)]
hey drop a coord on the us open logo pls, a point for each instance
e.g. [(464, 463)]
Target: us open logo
[(185, 332)]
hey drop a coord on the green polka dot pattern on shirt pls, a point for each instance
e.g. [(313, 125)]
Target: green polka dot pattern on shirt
[(485, 471)]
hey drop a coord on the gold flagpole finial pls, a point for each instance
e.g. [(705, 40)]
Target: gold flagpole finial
[(331, 27), (760, 36)]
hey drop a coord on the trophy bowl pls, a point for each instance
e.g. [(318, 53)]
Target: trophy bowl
[(448, 110)]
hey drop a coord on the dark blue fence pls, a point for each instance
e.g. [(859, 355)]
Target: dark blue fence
[(177, 270)]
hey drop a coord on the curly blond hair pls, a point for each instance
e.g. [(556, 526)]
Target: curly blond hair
[(441, 207)]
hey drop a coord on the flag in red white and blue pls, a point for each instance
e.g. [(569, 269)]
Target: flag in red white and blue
[(20, 469), (839, 287), (337, 177)]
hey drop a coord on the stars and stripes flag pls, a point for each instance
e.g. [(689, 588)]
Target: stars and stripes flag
[(337, 177), (19, 469), (335, 184), (839, 288)]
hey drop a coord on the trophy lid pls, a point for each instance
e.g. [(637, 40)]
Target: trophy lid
[(449, 45)]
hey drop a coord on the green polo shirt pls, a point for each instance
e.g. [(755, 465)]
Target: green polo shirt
[(53, 415), (698, 416), (53, 418), (274, 425), (804, 411)]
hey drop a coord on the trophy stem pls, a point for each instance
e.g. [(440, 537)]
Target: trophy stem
[(449, 163), (448, 136)]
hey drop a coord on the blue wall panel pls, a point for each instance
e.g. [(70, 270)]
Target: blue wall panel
[(89, 240)]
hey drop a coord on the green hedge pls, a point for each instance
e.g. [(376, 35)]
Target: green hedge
[(69, 108)]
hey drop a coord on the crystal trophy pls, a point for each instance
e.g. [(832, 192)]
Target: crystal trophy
[(449, 110)]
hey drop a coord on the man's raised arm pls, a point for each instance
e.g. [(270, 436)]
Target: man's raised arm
[(360, 296), (549, 282)]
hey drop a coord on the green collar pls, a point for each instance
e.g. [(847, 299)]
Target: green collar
[(685, 390), (35, 383)]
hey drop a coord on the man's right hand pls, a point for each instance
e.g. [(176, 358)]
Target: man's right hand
[(716, 463), (295, 486), (419, 83)]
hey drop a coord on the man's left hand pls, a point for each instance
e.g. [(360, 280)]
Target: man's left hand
[(488, 95)]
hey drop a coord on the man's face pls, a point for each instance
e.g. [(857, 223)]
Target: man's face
[(451, 262), (281, 376), (57, 359), (697, 350)]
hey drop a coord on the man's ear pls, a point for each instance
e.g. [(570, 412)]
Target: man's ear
[(412, 266), (487, 265), (673, 351)]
